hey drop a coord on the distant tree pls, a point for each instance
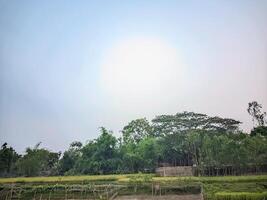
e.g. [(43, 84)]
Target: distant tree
[(137, 130), (8, 158), (181, 122), (182, 139), (76, 145), (259, 130), (254, 109), (173, 150), (37, 161), (193, 144), (149, 153), (70, 157), (256, 148), (99, 156), (131, 159)]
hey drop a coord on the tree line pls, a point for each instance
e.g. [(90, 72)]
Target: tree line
[(183, 139)]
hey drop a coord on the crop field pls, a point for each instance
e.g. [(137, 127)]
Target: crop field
[(128, 177), (106, 186)]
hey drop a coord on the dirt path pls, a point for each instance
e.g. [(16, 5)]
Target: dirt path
[(163, 197)]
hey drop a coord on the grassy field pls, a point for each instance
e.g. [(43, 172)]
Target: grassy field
[(227, 187)]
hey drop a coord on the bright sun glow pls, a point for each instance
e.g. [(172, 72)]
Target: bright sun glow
[(141, 67)]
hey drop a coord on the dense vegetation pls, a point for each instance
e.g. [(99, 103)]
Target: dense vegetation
[(214, 145)]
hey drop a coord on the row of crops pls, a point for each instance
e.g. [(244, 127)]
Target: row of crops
[(108, 187), (92, 191), (241, 196)]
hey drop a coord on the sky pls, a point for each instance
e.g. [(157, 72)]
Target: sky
[(70, 67)]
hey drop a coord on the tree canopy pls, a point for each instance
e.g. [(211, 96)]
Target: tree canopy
[(186, 138), (181, 122)]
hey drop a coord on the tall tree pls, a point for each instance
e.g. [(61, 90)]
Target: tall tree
[(99, 156), (137, 130), (173, 150), (254, 109), (8, 158), (70, 157), (181, 122), (148, 150), (37, 161)]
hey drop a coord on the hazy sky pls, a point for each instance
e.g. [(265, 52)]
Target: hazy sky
[(69, 67)]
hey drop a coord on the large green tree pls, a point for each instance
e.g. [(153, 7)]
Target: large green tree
[(137, 130), (37, 161), (70, 157), (182, 122), (8, 158), (99, 156)]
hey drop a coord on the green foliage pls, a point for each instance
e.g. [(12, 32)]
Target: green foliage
[(212, 144), (240, 196), (8, 158), (148, 151), (99, 156), (37, 162), (67, 162), (173, 150), (136, 131), (259, 130), (181, 122)]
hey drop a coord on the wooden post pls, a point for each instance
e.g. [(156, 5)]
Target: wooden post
[(156, 188), (66, 193), (73, 191), (20, 193), (106, 190), (11, 192), (34, 194), (152, 189)]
